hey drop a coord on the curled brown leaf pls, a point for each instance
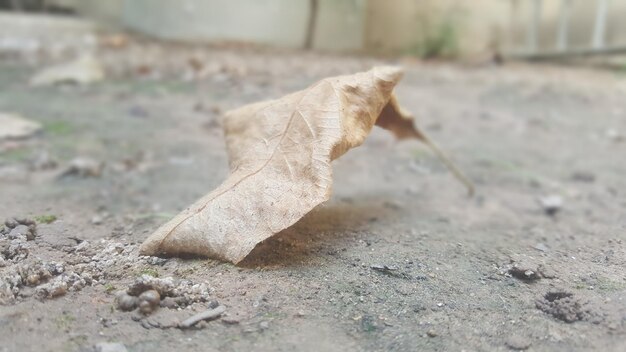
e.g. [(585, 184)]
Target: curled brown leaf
[(280, 153)]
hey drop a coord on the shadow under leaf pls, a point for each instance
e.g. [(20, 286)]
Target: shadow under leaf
[(320, 229)]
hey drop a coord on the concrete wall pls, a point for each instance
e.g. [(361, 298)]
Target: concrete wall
[(482, 26), (468, 28), (582, 17), (341, 25), (22, 33), (277, 22), (106, 12)]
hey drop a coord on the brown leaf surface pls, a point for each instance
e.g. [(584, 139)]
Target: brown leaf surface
[(280, 153)]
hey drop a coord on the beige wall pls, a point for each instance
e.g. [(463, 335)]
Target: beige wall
[(582, 18), (341, 25), (405, 25), (483, 26), (476, 27)]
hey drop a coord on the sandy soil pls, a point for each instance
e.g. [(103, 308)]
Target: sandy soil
[(400, 259)]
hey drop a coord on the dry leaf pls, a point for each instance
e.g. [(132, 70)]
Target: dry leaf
[(16, 127), (280, 153), (84, 70)]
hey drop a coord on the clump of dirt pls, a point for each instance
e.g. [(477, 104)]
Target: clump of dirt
[(14, 236), (564, 306), (24, 275), (524, 274), (19, 229), (147, 293), (104, 263)]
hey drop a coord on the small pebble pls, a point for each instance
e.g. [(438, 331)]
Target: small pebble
[(230, 321), (145, 324), (11, 223), (84, 167), (26, 221), (164, 286), (145, 307), (546, 272), (157, 261), (517, 343), (551, 204), (33, 279), (57, 290), (96, 220), (19, 230), (149, 301), (524, 274), (126, 302), (431, 333), (30, 235)]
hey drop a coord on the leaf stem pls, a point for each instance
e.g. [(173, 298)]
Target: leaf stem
[(448, 163)]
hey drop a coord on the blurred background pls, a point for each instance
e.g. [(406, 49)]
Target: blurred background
[(424, 28)]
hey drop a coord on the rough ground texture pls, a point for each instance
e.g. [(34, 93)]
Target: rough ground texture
[(400, 259)]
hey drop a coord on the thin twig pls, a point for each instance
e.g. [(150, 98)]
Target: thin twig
[(206, 315)]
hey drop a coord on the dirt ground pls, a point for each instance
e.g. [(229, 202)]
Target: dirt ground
[(400, 259)]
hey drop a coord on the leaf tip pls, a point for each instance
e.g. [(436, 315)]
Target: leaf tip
[(148, 248), (389, 73)]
